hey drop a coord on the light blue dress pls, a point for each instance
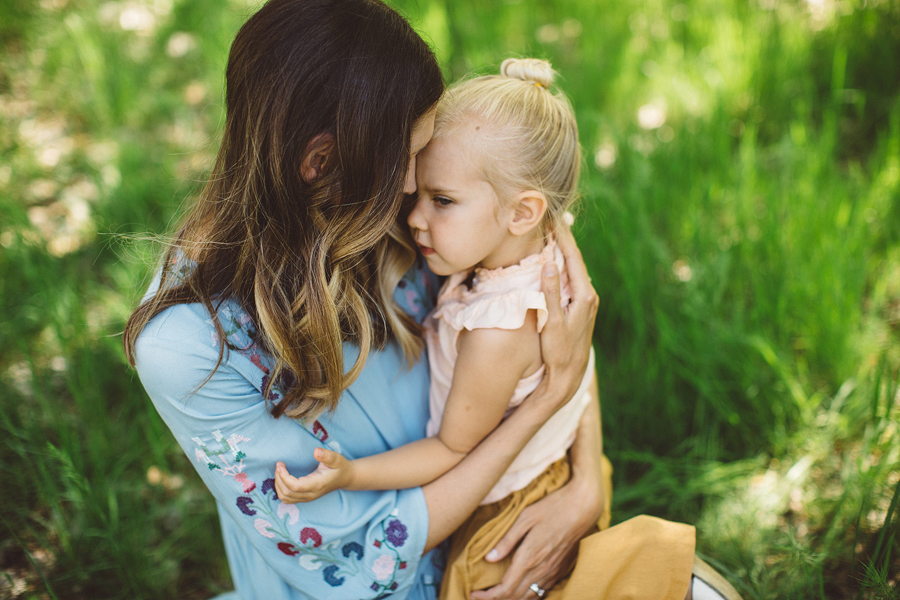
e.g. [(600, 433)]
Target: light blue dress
[(350, 545)]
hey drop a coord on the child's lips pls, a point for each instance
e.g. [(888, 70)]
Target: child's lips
[(425, 250)]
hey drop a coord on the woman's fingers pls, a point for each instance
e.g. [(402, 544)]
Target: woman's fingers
[(550, 287), (579, 280), (510, 540), (522, 572)]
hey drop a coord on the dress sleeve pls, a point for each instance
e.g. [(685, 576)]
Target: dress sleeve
[(366, 543), (502, 311)]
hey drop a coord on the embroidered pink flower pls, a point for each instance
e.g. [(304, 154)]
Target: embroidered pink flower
[(248, 485), (309, 533), (256, 360), (262, 526), (293, 514), (383, 567), (412, 302)]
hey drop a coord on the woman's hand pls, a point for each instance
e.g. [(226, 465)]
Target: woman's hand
[(547, 534), (334, 472), (566, 337)]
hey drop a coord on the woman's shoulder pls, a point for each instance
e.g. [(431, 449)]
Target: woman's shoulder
[(417, 291), (182, 347)]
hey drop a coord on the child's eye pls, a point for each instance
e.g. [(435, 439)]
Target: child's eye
[(442, 200)]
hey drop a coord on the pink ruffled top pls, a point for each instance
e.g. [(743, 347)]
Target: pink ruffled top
[(501, 298)]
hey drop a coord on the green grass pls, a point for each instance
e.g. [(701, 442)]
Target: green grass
[(740, 219)]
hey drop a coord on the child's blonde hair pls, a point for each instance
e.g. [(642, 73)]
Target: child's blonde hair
[(532, 132)]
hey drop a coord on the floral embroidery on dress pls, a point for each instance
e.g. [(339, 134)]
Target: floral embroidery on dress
[(417, 291), (241, 336), (336, 560), (385, 567)]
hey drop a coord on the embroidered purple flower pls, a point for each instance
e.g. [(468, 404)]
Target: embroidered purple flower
[(309, 533), (383, 567), (274, 395), (288, 549), (396, 533), (245, 482), (353, 547), (268, 484), (329, 576), (243, 503)]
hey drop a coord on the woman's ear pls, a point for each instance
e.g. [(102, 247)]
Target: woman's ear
[(317, 158), (528, 210)]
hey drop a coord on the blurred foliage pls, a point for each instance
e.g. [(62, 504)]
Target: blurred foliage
[(740, 220)]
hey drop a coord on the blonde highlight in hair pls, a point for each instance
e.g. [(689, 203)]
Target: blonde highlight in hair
[(532, 137)]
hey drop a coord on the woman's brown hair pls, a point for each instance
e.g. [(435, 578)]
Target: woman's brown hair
[(314, 262)]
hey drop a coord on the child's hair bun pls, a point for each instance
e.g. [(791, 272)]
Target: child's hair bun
[(532, 70)]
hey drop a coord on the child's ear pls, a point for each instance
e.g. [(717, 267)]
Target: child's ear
[(528, 210), (317, 157)]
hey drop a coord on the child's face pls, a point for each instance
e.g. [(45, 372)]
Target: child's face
[(458, 222)]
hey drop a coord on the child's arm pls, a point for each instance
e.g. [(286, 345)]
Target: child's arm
[(490, 364)]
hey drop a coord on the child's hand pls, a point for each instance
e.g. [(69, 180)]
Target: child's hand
[(334, 472)]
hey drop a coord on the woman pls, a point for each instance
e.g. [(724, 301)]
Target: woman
[(284, 318), (283, 246)]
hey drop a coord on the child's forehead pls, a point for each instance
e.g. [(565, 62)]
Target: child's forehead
[(471, 140)]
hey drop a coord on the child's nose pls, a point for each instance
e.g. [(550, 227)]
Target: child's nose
[(416, 220)]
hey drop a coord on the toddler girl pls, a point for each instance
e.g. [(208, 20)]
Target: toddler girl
[(493, 184)]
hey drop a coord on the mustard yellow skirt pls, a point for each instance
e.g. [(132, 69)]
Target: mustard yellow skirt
[(644, 557)]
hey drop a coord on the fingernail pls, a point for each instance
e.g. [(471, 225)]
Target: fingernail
[(549, 269), (492, 555)]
